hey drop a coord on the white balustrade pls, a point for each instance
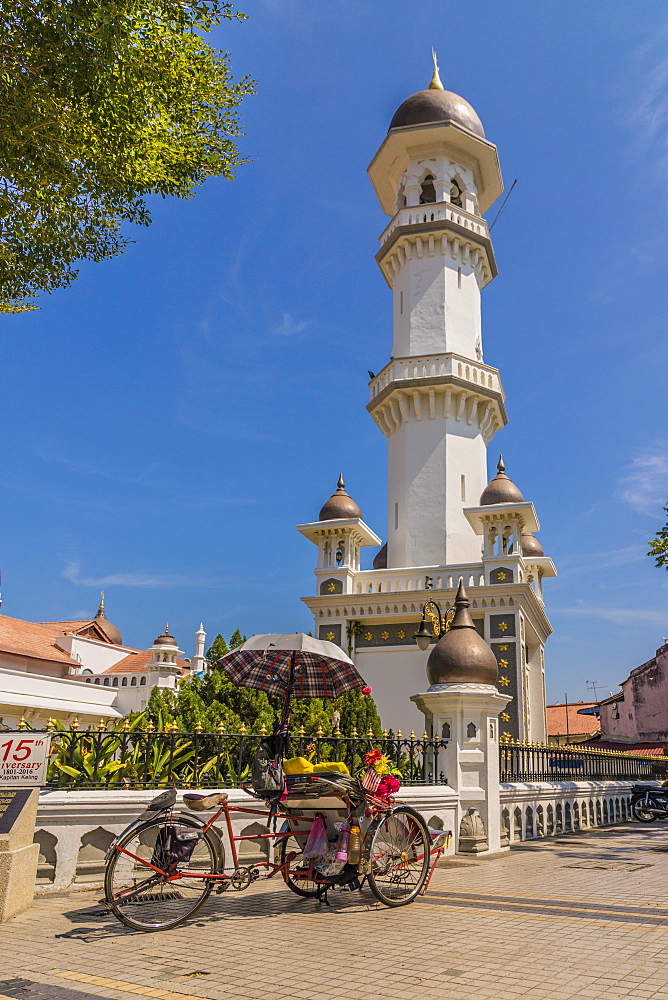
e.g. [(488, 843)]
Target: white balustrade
[(442, 211), (383, 581), (435, 366)]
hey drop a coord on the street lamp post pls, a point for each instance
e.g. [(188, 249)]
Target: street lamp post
[(440, 624)]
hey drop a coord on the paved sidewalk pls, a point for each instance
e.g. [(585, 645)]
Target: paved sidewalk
[(584, 915)]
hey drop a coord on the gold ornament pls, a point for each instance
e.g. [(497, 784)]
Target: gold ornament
[(504, 681), (331, 587), (384, 636), (501, 575), (368, 636), (401, 634), (503, 663), (330, 637), (503, 626), (503, 648), (505, 717)]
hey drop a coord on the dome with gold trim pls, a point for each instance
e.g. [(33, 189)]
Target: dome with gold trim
[(461, 656), (436, 105)]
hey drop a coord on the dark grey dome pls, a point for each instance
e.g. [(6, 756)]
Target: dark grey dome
[(380, 558), (461, 656), (500, 489), (165, 639), (432, 106), (339, 505)]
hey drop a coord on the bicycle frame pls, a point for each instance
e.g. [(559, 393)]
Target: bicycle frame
[(306, 874)]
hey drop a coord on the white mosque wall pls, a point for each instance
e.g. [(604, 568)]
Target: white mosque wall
[(544, 809), (38, 697), (395, 675), (94, 656), (432, 464)]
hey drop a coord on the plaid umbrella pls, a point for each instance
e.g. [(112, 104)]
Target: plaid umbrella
[(292, 665)]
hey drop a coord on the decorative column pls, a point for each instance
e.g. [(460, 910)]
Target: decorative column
[(462, 705), (198, 662)]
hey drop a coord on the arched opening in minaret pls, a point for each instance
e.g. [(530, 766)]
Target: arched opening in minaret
[(456, 191), (339, 554), (427, 190)]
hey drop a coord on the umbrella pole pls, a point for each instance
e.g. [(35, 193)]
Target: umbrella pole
[(285, 714)]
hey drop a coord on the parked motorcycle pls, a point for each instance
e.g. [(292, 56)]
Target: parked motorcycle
[(649, 802)]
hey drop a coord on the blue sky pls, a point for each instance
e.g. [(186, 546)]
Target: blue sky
[(169, 418)]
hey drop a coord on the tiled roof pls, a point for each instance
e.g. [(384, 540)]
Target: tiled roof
[(136, 663), (577, 724), (79, 627), (33, 640)]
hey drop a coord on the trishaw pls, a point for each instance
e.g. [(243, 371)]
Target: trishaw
[(327, 830)]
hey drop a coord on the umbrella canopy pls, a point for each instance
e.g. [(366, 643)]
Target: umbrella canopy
[(292, 665)]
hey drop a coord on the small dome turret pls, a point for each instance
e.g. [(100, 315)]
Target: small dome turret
[(461, 656), (166, 639), (501, 489), (530, 545), (339, 505)]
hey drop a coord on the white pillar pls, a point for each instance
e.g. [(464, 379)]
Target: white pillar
[(198, 662), (470, 713)]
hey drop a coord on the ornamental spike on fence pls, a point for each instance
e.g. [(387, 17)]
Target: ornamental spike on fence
[(412, 736), (399, 736), (220, 728), (424, 735), (319, 731), (242, 729), (384, 734), (50, 725), (198, 727), (263, 730), (354, 732), (369, 733), (74, 724)]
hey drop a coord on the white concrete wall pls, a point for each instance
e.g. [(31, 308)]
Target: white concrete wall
[(92, 654), (395, 675), (69, 816), (530, 806)]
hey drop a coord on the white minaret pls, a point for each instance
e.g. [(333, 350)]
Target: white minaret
[(435, 401), (439, 405), (198, 662)]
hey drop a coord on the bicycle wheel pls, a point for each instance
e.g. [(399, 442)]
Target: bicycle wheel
[(303, 886), (141, 896), (641, 812), (398, 856)]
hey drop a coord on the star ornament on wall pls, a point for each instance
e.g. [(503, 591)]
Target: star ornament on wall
[(501, 575), (401, 634), (331, 587), (503, 663), (330, 637), (368, 636), (505, 717), (385, 635), (503, 626), (505, 681), (503, 648)]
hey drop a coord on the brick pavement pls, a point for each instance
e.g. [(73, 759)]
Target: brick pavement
[(584, 915)]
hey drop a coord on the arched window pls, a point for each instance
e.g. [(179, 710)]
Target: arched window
[(106, 682), (124, 682), (471, 731), (97, 680), (114, 682), (445, 731), (142, 681), (339, 554), (456, 191), (428, 191), (88, 680), (133, 682)]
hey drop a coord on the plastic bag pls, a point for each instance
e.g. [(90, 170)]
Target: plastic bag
[(317, 843)]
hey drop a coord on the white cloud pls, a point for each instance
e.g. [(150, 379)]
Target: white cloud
[(289, 325), (645, 488), (588, 562), (72, 572)]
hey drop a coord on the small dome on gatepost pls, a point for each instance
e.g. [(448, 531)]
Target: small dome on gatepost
[(461, 656)]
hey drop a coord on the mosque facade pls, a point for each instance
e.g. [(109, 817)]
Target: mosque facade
[(439, 405)]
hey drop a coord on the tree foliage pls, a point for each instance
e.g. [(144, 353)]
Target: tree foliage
[(659, 545), (214, 699), (103, 103)]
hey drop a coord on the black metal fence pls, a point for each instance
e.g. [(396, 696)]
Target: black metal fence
[(533, 762), (141, 759)]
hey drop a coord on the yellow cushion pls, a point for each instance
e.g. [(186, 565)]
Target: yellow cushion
[(333, 765), (297, 765)]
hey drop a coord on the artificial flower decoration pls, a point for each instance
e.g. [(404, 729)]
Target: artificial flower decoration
[(367, 690), (389, 785)]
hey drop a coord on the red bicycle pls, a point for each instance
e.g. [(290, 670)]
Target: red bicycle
[(163, 867)]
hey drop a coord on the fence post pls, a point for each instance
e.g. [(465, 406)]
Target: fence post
[(470, 714)]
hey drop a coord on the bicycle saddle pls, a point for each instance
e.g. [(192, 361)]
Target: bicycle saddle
[(200, 803)]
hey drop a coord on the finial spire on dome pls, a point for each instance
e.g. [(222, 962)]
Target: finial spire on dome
[(340, 484), (435, 80), (100, 610), (462, 617), (500, 465)]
